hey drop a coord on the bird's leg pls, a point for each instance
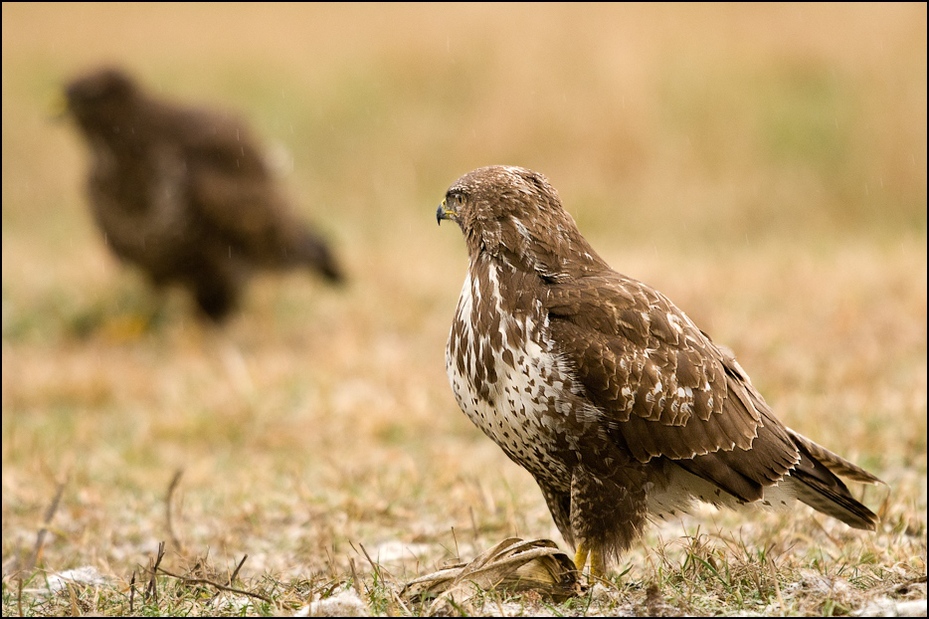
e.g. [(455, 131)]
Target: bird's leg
[(580, 558), (597, 565)]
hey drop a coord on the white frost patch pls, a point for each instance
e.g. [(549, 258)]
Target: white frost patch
[(344, 604), (396, 551), (887, 607), (85, 575), (240, 604)]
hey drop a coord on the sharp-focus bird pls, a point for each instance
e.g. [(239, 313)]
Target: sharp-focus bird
[(620, 407), (185, 194)]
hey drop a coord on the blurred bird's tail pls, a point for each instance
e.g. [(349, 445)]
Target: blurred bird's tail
[(316, 254), (815, 480)]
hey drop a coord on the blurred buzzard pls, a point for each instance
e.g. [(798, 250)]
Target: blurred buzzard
[(184, 193), (609, 395)]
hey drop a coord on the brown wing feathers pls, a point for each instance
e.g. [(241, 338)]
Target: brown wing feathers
[(632, 363)]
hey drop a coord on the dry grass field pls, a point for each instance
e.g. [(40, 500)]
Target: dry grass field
[(763, 165)]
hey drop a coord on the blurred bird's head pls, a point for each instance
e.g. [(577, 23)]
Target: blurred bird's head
[(102, 100)]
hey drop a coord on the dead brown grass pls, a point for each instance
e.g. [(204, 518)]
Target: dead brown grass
[(765, 166)]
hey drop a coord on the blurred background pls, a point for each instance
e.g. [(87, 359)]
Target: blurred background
[(764, 165), (694, 123)]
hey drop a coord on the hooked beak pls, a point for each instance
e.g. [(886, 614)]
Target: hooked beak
[(445, 212)]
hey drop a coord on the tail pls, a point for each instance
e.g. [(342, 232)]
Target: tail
[(314, 252), (815, 481)]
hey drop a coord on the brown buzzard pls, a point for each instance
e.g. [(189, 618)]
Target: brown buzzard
[(184, 193), (608, 394)]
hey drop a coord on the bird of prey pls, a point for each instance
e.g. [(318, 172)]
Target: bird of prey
[(185, 194), (620, 407)]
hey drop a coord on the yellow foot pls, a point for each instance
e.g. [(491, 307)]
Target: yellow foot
[(597, 562)]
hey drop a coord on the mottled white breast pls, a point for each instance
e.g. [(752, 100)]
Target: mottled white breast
[(509, 385), (147, 225)]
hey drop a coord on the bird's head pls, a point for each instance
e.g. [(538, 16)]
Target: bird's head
[(516, 215), (100, 99)]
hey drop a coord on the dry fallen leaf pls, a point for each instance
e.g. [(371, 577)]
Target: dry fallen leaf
[(514, 564)]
